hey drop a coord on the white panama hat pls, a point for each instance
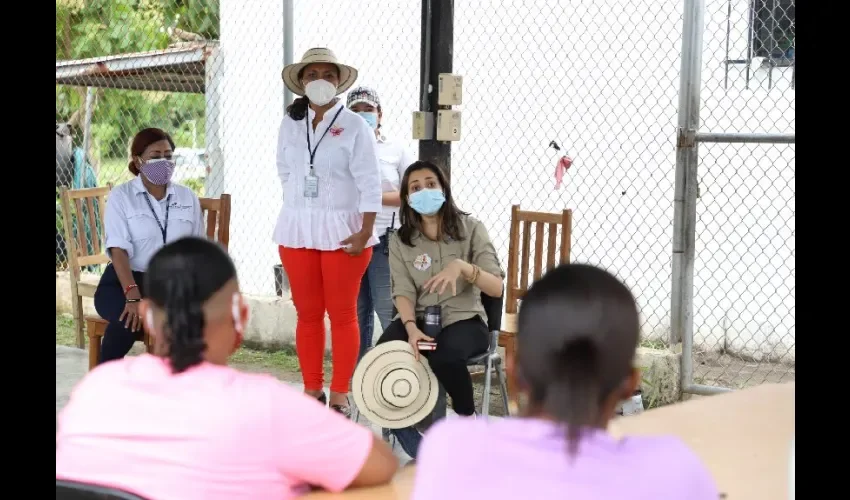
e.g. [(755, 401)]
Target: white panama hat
[(391, 388), (347, 74)]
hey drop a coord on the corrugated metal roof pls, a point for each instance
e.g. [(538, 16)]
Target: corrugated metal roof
[(178, 69)]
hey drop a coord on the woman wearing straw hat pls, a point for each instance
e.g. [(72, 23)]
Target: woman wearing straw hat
[(331, 194)]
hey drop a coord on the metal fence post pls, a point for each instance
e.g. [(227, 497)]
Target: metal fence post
[(288, 43), (90, 94), (437, 48), (685, 188)]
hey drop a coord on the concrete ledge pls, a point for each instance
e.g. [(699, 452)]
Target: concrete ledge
[(272, 321), (271, 326), (659, 376)]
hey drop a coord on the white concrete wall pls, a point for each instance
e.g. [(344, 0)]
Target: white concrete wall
[(272, 322), (251, 102), (601, 78)]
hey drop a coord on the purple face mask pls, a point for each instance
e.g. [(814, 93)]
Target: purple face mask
[(158, 171)]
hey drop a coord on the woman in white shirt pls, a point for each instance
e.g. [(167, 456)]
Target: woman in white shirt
[(140, 217), (394, 158), (331, 194)]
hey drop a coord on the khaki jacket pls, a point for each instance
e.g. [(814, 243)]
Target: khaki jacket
[(411, 267)]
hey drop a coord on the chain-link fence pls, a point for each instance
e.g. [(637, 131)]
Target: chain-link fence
[(209, 73), (121, 66), (598, 79), (744, 272)]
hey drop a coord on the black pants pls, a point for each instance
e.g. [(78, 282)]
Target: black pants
[(109, 302), (456, 344)]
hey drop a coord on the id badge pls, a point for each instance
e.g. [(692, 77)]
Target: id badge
[(311, 186)]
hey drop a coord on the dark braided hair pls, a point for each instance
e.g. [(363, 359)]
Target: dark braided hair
[(181, 277), (578, 332), (298, 109)]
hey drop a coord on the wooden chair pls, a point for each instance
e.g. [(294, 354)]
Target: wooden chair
[(217, 212), (79, 257), (519, 258), (217, 215)]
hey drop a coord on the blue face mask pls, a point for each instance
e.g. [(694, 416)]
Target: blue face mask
[(371, 118), (427, 201)]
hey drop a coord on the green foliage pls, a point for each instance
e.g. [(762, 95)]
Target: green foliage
[(96, 28), (196, 185)]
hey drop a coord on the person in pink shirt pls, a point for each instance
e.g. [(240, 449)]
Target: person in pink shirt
[(578, 332), (182, 425)]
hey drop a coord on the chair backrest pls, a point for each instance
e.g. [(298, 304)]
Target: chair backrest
[(72, 490), (520, 252), (217, 214), (493, 308), (83, 227)]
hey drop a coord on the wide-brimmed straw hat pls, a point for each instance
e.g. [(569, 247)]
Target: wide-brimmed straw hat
[(347, 74), (391, 388)]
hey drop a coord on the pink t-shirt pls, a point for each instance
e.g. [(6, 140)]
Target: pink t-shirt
[(527, 459), (209, 433)]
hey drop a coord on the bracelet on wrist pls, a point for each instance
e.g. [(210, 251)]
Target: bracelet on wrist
[(130, 287), (133, 301), (404, 323), (476, 271)]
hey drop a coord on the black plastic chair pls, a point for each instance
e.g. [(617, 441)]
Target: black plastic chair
[(492, 360), (72, 490)]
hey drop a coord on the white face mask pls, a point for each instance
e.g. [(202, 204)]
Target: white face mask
[(320, 92)]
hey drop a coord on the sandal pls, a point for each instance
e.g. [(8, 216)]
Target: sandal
[(345, 410)]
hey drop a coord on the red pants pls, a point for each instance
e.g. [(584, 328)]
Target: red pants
[(325, 281)]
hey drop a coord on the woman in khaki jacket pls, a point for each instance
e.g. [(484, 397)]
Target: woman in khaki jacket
[(441, 256)]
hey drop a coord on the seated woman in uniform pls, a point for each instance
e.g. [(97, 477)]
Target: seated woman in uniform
[(140, 217), (441, 256)]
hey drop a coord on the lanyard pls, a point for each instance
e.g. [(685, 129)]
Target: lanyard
[(162, 228), (310, 148)]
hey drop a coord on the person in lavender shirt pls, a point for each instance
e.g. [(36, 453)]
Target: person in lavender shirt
[(578, 332)]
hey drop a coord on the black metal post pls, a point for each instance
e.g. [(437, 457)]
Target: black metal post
[(436, 58), (751, 36)]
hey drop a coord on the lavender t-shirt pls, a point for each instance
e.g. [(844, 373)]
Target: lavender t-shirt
[(527, 459)]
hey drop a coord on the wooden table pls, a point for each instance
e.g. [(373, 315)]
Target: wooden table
[(743, 437), (399, 489)]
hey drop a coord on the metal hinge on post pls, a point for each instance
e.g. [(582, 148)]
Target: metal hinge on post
[(686, 138)]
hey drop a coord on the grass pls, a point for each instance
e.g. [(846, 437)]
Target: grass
[(113, 170), (653, 344), (282, 362), (65, 331)]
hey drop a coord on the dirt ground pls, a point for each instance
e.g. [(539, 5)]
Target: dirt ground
[(724, 370)]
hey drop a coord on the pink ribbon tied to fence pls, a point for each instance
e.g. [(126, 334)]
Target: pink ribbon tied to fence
[(561, 168)]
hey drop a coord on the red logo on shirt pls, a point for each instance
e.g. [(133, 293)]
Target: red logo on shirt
[(335, 131)]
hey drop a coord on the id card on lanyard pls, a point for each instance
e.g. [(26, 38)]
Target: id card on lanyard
[(162, 227), (311, 180)]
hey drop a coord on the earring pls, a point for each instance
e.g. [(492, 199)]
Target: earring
[(236, 311)]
